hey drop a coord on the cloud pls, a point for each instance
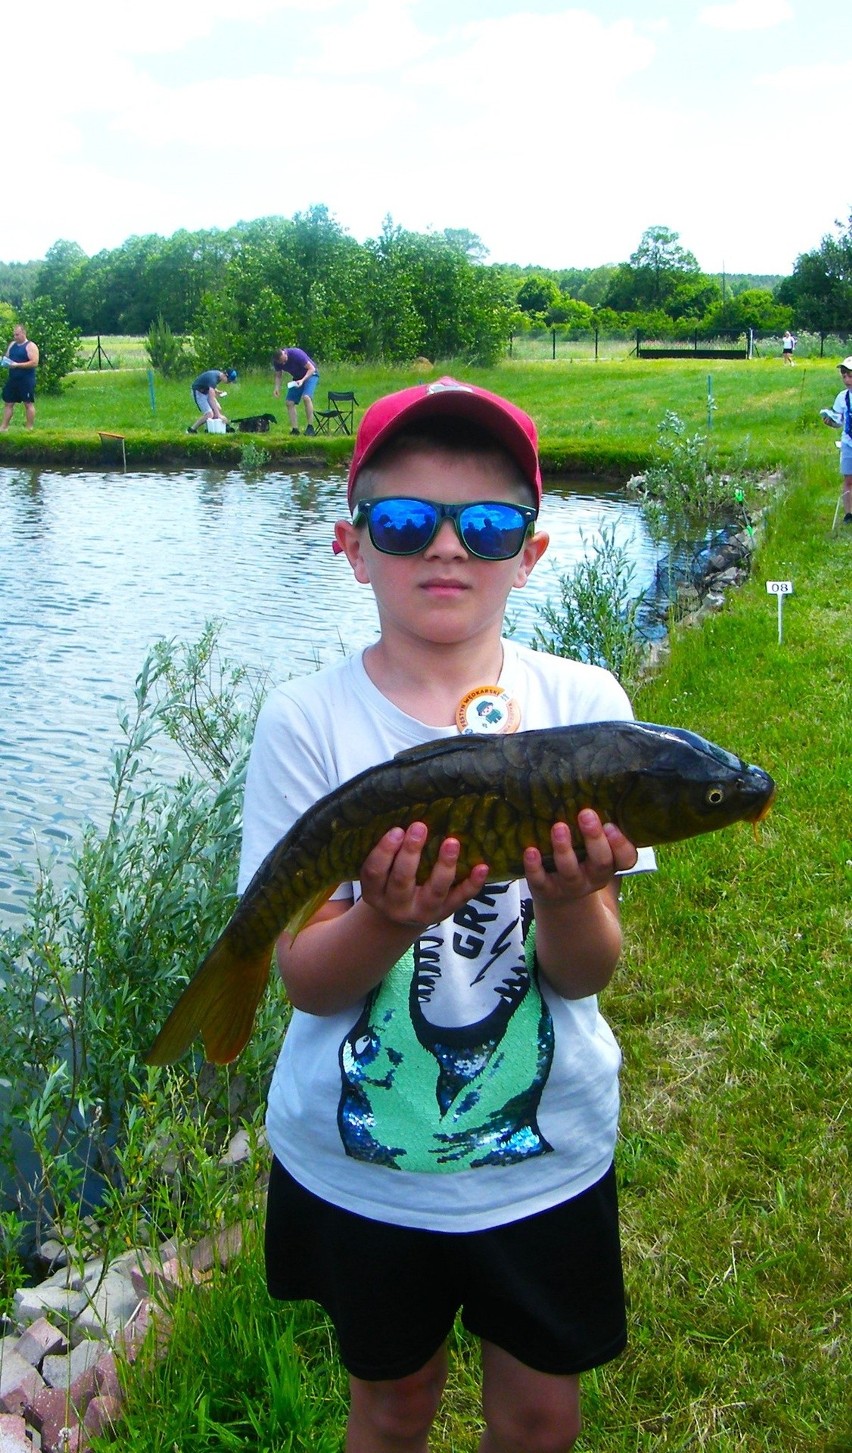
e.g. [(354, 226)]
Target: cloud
[(827, 78), (746, 15)]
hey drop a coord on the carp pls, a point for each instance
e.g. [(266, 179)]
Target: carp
[(498, 795)]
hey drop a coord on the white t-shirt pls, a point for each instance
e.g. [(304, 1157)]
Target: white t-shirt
[(840, 410), (463, 1092)]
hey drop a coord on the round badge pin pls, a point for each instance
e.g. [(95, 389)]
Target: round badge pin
[(487, 711)]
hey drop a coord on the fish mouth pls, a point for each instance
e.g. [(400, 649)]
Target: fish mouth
[(764, 790), (767, 806)]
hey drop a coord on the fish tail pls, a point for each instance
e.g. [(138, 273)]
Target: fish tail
[(220, 1004)]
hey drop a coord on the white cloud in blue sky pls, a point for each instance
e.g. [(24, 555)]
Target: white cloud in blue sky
[(557, 133)]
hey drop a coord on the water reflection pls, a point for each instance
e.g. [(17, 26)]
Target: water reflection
[(96, 567)]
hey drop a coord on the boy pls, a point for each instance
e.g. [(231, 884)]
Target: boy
[(839, 416), (443, 1111)]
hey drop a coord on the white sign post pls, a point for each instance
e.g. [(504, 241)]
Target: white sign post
[(780, 588)]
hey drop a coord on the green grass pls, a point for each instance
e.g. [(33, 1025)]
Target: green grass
[(121, 350), (599, 417), (733, 1004), (733, 1007)]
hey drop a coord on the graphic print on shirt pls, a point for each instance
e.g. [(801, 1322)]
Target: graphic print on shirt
[(445, 1067)]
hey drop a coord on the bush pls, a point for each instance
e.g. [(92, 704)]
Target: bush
[(595, 619), (57, 342), (682, 489), (101, 959), (166, 352)]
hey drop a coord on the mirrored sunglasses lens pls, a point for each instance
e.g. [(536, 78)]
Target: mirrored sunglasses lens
[(402, 526), (493, 531)]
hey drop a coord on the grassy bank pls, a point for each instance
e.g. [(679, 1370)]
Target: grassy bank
[(598, 418), (733, 1007)]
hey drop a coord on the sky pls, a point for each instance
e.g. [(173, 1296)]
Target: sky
[(558, 134)]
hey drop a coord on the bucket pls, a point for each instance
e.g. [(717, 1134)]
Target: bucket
[(216, 426)]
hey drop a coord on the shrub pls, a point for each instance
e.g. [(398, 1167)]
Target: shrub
[(102, 957), (57, 342), (682, 489), (166, 352), (595, 618)]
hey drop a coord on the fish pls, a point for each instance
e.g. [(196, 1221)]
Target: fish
[(498, 795)]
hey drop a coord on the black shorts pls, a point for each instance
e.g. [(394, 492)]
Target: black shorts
[(547, 1289), (18, 390)]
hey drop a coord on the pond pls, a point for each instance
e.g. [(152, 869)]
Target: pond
[(97, 566)]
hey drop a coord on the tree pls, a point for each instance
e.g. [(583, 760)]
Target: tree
[(469, 244), (820, 288), (661, 274), (575, 315), (61, 276), (537, 293), (755, 308), (17, 282)]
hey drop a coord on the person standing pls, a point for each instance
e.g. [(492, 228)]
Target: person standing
[(205, 391), (839, 416), (21, 359), (305, 376), (788, 344)]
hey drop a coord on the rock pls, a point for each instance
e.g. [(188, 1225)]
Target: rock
[(102, 1415), (62, 1303), (13, 1434), (19, 1380), (108, 1307), (40, 1340), (72, 1370)]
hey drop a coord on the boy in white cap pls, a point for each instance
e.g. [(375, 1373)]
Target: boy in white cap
[(443, 1112), (839, 416)]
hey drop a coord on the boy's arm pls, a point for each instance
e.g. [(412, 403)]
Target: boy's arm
[(578, 931), (348, 948)]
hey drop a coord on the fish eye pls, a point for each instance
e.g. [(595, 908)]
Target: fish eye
[(713, 796)]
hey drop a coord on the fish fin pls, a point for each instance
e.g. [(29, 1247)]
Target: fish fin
[(220, 1004), (303, 915)]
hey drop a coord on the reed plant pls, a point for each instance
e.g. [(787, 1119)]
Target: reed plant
[(98, 962)]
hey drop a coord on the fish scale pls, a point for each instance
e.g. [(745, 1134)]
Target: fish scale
[(498, 796)]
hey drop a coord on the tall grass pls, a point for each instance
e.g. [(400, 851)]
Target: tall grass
[(733, 1006)]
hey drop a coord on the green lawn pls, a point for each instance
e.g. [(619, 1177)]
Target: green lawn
[(600, 416), (733, 1006)]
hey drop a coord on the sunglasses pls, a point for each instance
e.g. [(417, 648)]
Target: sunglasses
[(489, 529)]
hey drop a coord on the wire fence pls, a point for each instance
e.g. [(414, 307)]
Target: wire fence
[(583, 345)]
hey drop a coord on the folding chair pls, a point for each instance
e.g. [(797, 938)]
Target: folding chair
[(339, 417)]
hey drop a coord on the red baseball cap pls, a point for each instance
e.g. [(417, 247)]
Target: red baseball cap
[(448, 399)]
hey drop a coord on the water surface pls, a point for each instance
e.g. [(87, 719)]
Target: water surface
[(95, 567)]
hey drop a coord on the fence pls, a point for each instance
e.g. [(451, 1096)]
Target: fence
[(693, 348), (576, 345)]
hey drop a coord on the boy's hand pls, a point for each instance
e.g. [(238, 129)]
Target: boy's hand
[(608, 851), (389, 879)]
